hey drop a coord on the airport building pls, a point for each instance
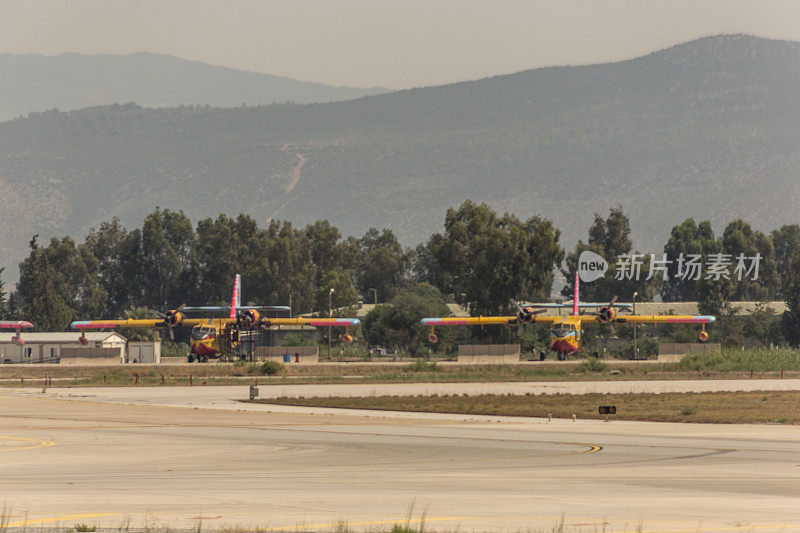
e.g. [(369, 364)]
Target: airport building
[(102, 347), (52, 347)]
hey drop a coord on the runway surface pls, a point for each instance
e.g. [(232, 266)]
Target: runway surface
[(118, 456)]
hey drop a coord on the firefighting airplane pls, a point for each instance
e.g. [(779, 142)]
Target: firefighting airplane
[(17, 326), (565, 332), (216, 337)]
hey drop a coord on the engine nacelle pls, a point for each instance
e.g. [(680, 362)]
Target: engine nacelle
[(526, 315), (432, 338), (19, 341), (606, 314), (82, 340), (347, 338), (249, 317), (172, 318), (702, 336)]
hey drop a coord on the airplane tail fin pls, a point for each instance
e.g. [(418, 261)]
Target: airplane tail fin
[(235, 301), (575, 299)]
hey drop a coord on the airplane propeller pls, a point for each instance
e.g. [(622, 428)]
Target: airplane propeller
[(525, 314), (171, 319)]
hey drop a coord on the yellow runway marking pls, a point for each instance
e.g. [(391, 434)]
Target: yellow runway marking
[(64, 518), (694, 529), (36, 443)]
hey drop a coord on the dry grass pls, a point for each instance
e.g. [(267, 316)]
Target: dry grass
[(735, 364), (709, 407)]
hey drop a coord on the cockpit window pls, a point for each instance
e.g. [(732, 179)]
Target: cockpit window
[(202, 333), (562, 330)]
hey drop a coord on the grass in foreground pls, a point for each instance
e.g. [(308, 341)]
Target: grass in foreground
[(728, 364), (781, 407)]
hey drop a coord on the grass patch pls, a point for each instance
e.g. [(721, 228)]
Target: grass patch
[(731, 359), (781, 407), (729, 364), (421, 365)]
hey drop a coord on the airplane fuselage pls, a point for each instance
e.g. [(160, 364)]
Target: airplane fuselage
[(211, 340), (565, 336)]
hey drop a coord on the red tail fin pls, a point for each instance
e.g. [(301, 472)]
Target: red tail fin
[(575, 297), (235, 300)]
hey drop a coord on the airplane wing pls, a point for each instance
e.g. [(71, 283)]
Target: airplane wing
[(653, 319), (665, 319), (316, 322), (483, 320), (15, 324), (244, 307), (131, 323), (569, 305)]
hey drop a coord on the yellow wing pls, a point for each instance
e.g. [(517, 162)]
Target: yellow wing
[(133, 323), (652, 319), (485, 320)]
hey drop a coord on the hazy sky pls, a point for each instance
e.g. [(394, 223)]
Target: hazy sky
[(391, 43)]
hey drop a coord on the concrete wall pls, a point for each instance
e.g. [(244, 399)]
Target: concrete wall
[(309, 355), (488, 353), (91, 356), (672, 352)]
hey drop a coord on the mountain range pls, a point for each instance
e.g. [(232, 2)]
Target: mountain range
[(33, 82), (707, 129)]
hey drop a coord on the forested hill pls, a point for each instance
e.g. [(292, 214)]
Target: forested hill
[(34, 82), (708, 129)]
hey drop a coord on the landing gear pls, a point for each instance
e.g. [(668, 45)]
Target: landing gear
[(542, 355), (191, 358), (562, 356)]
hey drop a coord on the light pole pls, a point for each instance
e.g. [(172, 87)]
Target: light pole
[(375, 293), (635, 347), (330, 296)]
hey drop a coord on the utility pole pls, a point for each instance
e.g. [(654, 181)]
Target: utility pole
[(635, 347), (330, 296)]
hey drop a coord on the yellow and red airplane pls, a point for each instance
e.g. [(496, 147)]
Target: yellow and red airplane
[(214, 337), (565, 331), (17, 326)]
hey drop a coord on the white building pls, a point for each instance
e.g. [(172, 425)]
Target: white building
[(51, 347)]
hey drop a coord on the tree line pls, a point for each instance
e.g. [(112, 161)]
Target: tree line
[(480, 259)]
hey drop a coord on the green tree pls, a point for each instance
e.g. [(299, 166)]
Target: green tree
[(689, 244), (786, 242), (3, 298), (59, 283), (344, 293), (484, 260), (169, 267), (326, 252), (284, 272), (396, 325), (741, 244), (610, 239), (226, 247), (119, 260), (790, 320), (383, 266)]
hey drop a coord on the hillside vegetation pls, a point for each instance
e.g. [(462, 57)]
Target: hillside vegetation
[(707, 129), (33, 82)]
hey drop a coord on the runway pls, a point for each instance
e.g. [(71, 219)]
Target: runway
[(64, 461)]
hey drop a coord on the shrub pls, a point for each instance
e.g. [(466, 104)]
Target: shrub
[(421, 365), (593, 365), (270, 368)]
